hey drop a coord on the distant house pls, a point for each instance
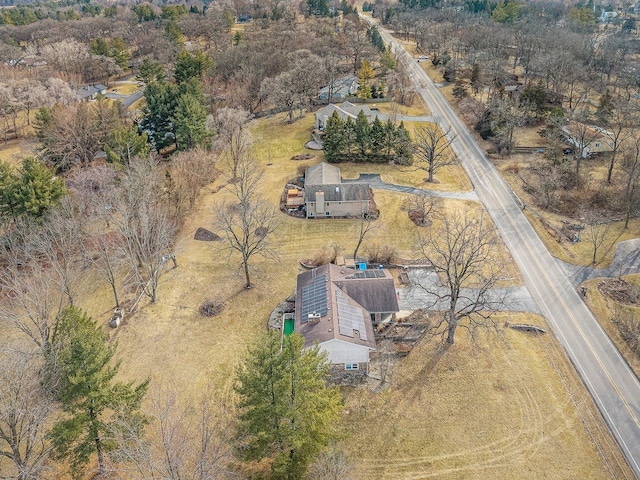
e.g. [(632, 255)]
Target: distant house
[(345, 110), (341, 88), (325, 196), (336, 308), (90, 92), (245, 18), (606, 17), (588, 139)]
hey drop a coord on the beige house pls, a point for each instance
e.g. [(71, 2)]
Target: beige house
[(588, 139), (327, 197), (336, 308), (345, 110)]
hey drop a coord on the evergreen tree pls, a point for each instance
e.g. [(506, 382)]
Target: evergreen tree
[(605, 109), (364, 75), (92, 401), (287, 410), (333, 142), (192, 65), (151, 71), (350, 139), (475, 78), (126, 143), (318, 8), (362, 131), (189, 122), (460, 90), (403, 145), (536, 96), (159, 109), (376, 137), (31, 190)]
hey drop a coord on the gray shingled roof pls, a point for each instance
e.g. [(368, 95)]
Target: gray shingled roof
[(342, 192), (377, 295), (322, 174)]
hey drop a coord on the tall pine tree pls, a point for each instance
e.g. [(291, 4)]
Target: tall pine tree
[(288, 412), (92, 401)]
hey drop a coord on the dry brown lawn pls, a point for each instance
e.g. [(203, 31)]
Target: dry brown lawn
[(125, 88), (164, 340), (419, 108), (499, 411), (603, 307), (511, 407)]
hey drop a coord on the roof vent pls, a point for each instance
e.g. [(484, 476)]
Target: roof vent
[(337, 189)]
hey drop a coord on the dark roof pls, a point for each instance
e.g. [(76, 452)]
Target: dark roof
[(376, 295), (326, 294), (341, 192)]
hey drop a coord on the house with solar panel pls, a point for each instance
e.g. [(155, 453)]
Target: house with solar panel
[(337, 308), (327, 197)]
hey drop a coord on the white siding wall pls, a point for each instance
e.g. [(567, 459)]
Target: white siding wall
[(345, 352)]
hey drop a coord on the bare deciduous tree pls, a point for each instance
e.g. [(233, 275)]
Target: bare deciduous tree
[(464, 255), (364, 227), (142, 219), (190, 441), (630, 167), (231, 135), (420, 207), (433, 149), (25, 407), (331, 464), (189, 172), (595, 232), (247, 221), (33, 296)]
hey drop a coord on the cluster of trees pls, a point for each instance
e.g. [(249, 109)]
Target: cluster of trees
[(174, 112), (361, 141), (546, 66)]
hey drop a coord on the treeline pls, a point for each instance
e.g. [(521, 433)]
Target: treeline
[(361, 141)]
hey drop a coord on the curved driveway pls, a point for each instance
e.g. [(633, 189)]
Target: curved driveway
[(374, 181), (610, 381)]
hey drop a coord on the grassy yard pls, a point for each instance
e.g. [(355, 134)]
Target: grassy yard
[(504, 409), (125, 88)]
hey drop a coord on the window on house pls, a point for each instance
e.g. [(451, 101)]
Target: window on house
[(351, 366), (597, 144), (339, 203), (327, 213), (327, 204)]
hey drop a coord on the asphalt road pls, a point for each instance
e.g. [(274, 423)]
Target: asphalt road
[(612, 384)]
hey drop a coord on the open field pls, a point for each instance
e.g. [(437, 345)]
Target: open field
[(504, 409)]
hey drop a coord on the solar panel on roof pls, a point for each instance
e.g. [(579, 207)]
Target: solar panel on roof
[(314, 298), (350, 318)]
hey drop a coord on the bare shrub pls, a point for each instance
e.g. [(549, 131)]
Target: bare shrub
[(211, 308), (382, 254), (628, 326)]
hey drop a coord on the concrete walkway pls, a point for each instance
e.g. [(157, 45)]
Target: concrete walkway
[(374, 180), (409, 118), (511, 299), (625, 261)]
